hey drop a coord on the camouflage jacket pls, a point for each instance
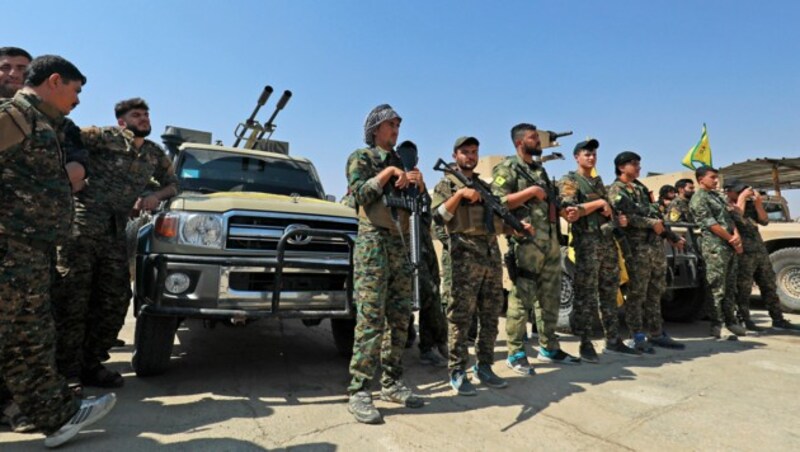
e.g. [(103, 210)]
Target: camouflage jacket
[(480, 243), (35, 194), (120, 173), (747, 225), (709, 208), (678, 211), (507, 179), (363, 166), (644, 213), (573, 192)]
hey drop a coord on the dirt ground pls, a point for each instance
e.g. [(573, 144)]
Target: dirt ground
[(280, 385)]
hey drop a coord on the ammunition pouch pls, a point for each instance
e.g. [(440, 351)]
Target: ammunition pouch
[(470, 219), (380, 214)]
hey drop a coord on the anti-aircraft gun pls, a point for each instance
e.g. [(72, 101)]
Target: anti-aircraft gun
[(257, 130)]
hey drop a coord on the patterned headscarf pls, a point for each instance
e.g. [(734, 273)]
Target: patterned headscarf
[(379, 114)]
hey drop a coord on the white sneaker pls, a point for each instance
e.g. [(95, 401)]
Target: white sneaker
[(91, 411)]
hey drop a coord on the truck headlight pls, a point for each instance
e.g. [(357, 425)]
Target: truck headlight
[(202, 230)]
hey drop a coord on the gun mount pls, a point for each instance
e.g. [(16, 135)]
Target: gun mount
[(255, 139)]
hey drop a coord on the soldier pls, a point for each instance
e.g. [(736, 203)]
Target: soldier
[(35, 212), (647, 268), (747, 209), (13, 62), (525, 188), (665, 196), (93, 291), (381, 271), (678, 209), (476, 283), (432, 323), (719, 245), (585, 205)]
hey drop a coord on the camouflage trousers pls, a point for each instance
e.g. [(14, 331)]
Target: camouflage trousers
[(756, 266), (432, 324), (721, 275), (538, 287), (647, 273), (382, 292), (90, 299), (477, 287), (596, 279), (28, 337)]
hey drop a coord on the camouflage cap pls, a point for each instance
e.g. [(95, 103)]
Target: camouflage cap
[(379, 114), (463, 141), (590, 144), (625, 157)]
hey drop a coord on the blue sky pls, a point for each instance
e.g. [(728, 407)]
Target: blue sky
[(637, 75)]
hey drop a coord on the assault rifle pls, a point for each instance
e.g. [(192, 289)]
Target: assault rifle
[(627, 208), (411, 200), (494, 207)]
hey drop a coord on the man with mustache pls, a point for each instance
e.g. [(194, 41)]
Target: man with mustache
[(678, 209), (35, 214), (522, 184), (92, 294)]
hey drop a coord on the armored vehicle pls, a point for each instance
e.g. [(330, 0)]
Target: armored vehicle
[(251, 235)]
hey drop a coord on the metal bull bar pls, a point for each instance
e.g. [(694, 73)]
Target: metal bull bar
[(278, 263)]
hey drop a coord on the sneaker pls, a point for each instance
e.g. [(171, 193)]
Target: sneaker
[(461, 384), (587, 352), (619, 348), (90, 411), (665, 341), (361, 407), (101, 377), (750, 325), (736, 329), (518, 362), (784, 325), (14, 418), (639, 343), (443, 350), (487, 377), (432, 358), (557, 357), (401, 394), (716, 332)]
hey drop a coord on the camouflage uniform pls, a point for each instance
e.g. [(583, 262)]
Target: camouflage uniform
[(678, 211), (647, 269), (596, 258), (446, 274), (432, 324), (709, 208), (382, 274), (91, 296), (476, 285), (538, 258), (754, 265), (35, 212)]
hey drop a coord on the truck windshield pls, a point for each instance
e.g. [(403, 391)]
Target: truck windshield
[(217, 171)]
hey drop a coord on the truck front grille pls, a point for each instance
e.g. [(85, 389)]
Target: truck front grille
[(262, 233)]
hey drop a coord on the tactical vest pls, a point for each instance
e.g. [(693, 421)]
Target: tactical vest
[(587, 193), (470, 218), (379, 214)]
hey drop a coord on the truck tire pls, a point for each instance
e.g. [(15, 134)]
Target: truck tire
[(682, 305), (786, 263), (153, 344), (344, 331)]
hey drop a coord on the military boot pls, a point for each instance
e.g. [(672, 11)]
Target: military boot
[(361, 407)]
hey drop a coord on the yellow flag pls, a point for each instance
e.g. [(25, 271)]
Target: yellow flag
[(699, 153)]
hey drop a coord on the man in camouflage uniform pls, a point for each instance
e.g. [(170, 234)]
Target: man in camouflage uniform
[(476, 282), (382, 273), (36, 212), (665, 196), (747, 210), (524, 187), (678, 209), (92, 294), (647, 269), (585, 205), (432, 323), (720, 243)]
